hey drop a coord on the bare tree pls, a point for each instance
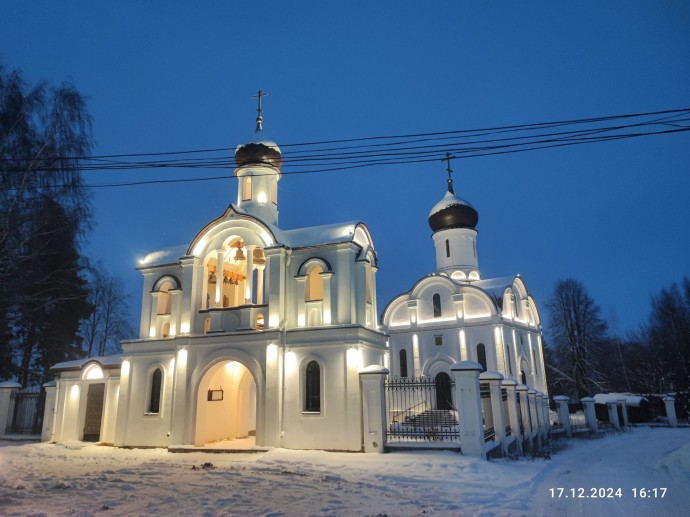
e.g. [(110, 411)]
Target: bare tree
[(44, 212), (109, 323), (578, 333)]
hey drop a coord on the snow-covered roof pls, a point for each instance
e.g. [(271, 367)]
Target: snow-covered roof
[(107, 361), (317, 235), (494, 286), (630, 400), (165, 256)]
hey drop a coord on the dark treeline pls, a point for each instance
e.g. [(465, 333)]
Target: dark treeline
[(583, 358), (46, 284)]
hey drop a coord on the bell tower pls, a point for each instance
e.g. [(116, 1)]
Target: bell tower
[(258, 172)]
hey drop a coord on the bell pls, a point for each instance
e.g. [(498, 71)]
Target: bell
[(239, 255)]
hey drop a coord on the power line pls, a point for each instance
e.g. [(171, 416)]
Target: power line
[(468, 143)]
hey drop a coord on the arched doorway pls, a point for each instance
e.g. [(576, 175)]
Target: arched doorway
[(444, 395), (226, 404)]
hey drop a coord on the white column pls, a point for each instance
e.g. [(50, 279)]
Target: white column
[(327, 318), (220, 257), (260, 284), (249, 283), (153, 324)]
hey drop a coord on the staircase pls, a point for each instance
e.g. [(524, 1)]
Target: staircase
[(432, 418)]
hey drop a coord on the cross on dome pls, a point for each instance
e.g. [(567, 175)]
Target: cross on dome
[(448, 158), (259, 110)]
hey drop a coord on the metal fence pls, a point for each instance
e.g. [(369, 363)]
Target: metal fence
[(421, 410), (26, 412)]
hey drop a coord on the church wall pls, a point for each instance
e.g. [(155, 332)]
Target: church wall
[(143, 428)]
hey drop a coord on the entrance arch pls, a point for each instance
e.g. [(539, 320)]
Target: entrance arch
[(226, 403), (444, 396)]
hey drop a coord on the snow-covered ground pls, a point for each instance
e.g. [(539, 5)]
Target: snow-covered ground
[(84, 479)]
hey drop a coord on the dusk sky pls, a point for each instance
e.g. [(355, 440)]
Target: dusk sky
[(176, 76)]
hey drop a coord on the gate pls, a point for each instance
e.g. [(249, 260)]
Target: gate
[(26, 412), (421, 410)]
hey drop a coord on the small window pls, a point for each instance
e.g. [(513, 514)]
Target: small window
[(403, 363), (481, 355), (447, 248), (155, 396), (312, 402), (438, 340), (510, 364), (247, 189), (436, 299)]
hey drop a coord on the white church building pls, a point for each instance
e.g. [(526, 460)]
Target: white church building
[(269, 335), (246, 330), (456, 315)]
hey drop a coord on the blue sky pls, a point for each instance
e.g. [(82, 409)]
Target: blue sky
[(167, 76)]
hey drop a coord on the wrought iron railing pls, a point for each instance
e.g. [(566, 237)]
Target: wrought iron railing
[(412, 407)]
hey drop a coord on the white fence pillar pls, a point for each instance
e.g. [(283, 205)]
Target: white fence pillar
[(521, 392), (49, 411), (564, 414), (671, 411), (466, 376), (533, 413), (624, 411), (545, 410), (513, 411), (7, 392), (590, 413), (494, 380), (612, 406), (371, 380)]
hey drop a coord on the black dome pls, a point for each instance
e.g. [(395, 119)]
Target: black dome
[(452, 212), (258, 153)]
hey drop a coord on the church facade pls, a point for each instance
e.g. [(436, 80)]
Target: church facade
[(456, 315), (246, 330)]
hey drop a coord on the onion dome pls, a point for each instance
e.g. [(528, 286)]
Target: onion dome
[(258, 151), (452, 212)]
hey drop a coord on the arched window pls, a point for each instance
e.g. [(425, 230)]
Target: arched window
[(481, 355), (314, 285), (312, 398), (155, 395), (523, 377), (247, 189), (508, 360), (164, 298), (403, 363), (447, 248), (436, 299)]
